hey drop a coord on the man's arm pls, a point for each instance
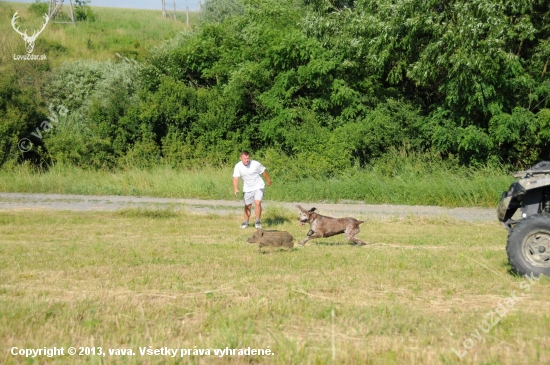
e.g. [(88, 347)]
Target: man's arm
[(267, 178), (236, 185)]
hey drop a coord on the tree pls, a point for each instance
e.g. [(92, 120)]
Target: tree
[(219, 10)]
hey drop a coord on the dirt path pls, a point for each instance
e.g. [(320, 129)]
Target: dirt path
[(18, 201)]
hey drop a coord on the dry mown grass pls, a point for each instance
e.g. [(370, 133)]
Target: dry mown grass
[(147, 278)]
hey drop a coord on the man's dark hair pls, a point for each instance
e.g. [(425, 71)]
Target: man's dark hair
[(245, 153)]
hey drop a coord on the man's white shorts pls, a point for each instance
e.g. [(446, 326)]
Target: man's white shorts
[(250, 196)]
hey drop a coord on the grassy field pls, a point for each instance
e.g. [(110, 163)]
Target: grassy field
[(140, 278), (129, 32)]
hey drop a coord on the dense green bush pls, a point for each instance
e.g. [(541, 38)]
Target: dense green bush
[(20, 114), (216, 11), (332, 86), (83, 12), (98, 96), (320, 87), (39, 8)]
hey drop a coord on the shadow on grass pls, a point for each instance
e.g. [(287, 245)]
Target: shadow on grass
[(322, 243), (276, 251), (155, 213), (513, 273), (276, 220)]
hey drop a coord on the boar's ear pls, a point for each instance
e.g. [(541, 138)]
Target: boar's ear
[(300, 207), (261, 232), (312, 210)]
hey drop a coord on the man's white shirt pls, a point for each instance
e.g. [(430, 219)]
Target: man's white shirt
[(250, 174)]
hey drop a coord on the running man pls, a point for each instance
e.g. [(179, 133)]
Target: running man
[(250, 171)]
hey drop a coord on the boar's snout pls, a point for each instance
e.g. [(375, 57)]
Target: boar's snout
[(255, 237)]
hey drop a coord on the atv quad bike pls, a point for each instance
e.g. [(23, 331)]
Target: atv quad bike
[(525, 211)]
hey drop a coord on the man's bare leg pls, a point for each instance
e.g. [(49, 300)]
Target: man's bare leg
[(247, 212), (258, 209)]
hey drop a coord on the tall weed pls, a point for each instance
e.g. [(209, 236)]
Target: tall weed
[(412, 182)]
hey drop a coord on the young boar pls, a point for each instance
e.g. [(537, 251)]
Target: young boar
[(272, 239)]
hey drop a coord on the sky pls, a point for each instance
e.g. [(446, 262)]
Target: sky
[(134, 4)]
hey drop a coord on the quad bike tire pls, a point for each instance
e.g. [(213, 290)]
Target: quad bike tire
[(528, 246)]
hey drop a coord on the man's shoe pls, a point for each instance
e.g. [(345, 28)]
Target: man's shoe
[(258, 225), (244, 225)]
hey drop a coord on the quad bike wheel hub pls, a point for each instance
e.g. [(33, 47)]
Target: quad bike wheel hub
[(536, 249)]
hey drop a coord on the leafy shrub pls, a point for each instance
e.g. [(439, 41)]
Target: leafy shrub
[(319, 88), (50, 47), (20, 114), (521, 136), (216, 11), (99, 97), (39, 8), (143, 154), (83, 12)]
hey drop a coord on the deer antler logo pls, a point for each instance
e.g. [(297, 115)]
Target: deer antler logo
[(29, 40)]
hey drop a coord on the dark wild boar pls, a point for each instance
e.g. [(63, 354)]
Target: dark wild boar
[(272, 239)]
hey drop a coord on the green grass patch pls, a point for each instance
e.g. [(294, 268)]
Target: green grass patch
[(439, 187), (118, 280), (159, 213), (129, 32)]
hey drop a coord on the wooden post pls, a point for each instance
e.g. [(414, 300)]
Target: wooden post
[(55, 8), (71, 14), (164, 8), (187, 12)]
